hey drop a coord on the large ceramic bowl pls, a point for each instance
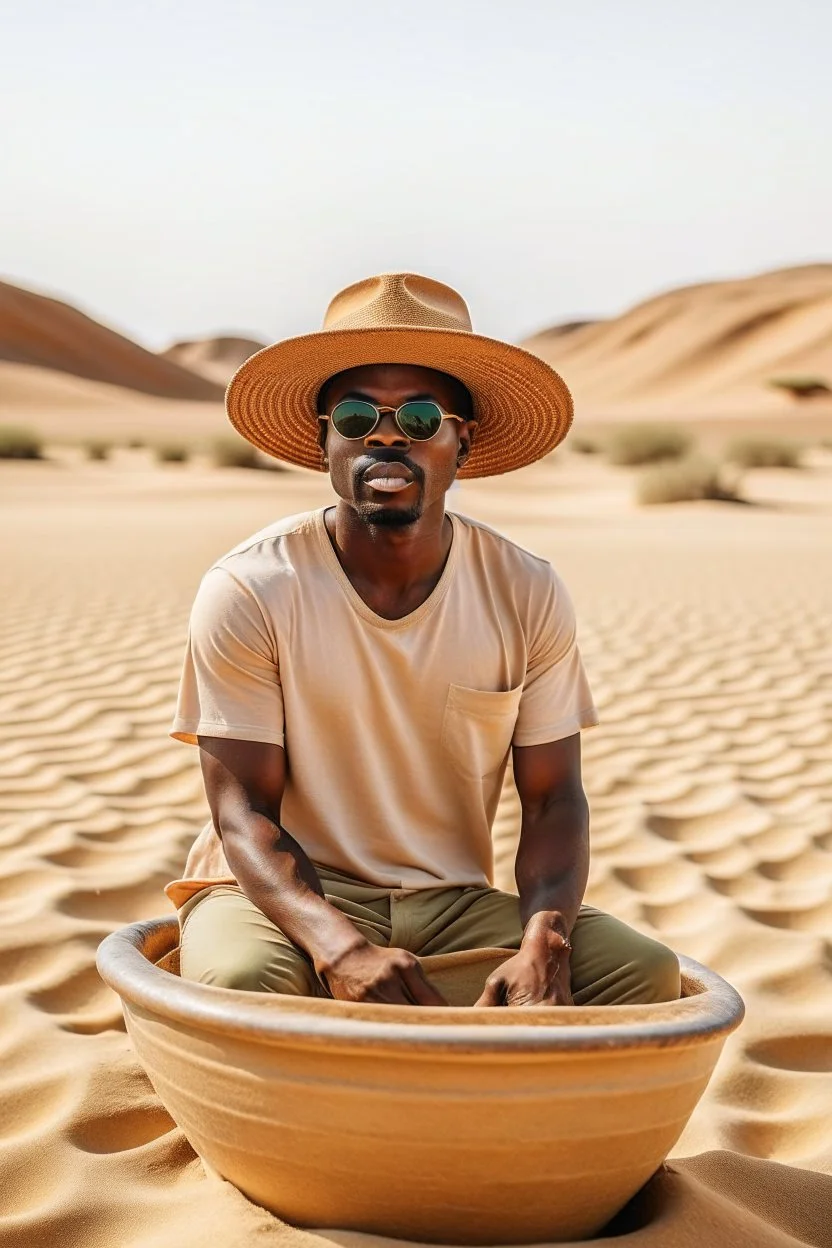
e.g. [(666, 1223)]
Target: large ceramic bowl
[(454, 1125)]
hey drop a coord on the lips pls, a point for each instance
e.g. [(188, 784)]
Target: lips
[(388, 477)]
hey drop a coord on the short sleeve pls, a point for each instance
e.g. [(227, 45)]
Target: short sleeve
[(556, 700), (230, 683)]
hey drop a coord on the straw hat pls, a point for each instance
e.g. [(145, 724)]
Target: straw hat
[(524, 408)]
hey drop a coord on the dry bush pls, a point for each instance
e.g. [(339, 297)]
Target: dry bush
[(648, 444), (583, 444), (172, 453), (97, 448), (136, 444), (684, 480), (16, 442), (804, 387), (230, 451), (763, 452)]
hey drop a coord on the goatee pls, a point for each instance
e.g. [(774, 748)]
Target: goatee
[(391, 517)]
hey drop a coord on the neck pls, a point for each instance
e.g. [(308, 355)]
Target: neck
[(393, 564)]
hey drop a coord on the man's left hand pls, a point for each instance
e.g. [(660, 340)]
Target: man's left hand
[(537, 975)]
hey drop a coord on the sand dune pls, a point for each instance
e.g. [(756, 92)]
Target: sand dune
[(62, 407), (48, 334), (706, 635), (215, 358), (700, 349), (706, 351), (25, 388)]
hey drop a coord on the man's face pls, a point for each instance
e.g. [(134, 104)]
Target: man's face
[(427, 468)]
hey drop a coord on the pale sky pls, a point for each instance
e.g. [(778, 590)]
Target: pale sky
[(185, 168)]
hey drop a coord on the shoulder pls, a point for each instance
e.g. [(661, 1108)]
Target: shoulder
[(270, 555), (498, 553), (528, 585), (276, 540), (249, 579)]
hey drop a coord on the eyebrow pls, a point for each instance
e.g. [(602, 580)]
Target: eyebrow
[(411, 398)]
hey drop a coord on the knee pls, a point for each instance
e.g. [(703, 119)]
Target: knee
[(227, 943), (245, 974), (659, 973), (228, 967), (260, 969)]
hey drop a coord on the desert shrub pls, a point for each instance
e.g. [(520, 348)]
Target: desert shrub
[(229, 451), (583, 444), (763, 452), (648, 444), (804, 387), (684, 480), (19, 443), (136, 444), (97, 448), (172, 453)]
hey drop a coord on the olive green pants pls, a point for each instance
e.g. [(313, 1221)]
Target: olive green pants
[(227, 941)]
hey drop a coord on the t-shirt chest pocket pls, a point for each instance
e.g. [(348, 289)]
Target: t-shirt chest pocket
[(477, 728)]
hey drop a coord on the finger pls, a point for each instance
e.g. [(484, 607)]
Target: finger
[(563, 984), (391, 992), (561, 991), (520, 998), (493, 993), (557, 997), (420, 988)]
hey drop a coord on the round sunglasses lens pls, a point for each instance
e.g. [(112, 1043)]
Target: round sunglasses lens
[(353, 418), (420, 420)]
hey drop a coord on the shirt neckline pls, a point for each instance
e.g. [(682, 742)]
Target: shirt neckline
[(357, 602)]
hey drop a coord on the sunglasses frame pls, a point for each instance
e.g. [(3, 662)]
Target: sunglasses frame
[(380, 410)]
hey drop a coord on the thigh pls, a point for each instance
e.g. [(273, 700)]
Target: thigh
[(228, 942), (612, 964)]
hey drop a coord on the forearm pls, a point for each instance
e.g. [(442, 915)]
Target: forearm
[(276, 874), (553, 864)]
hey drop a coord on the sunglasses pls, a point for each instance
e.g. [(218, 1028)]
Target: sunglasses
[(419, 420)]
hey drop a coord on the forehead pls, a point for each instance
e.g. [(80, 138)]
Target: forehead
[(390, 382)]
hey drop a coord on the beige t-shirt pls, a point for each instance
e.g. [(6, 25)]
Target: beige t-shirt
[(397, 732)]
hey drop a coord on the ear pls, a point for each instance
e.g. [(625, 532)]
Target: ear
[(323, 429), (467, 434)]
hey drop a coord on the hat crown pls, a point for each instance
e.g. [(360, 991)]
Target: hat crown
[(392, 299)]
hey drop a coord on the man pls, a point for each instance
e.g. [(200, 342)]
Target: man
[(356, 676)]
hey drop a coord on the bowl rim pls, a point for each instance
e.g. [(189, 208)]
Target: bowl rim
[(126, 962)]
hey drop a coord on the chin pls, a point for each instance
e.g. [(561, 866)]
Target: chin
[(390, 517)]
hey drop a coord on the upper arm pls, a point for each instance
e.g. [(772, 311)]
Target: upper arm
[(557, 700), (548, 772), (240, 777), (230, 685)]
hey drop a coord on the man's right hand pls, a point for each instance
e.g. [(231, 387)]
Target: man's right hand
[(370, 972)]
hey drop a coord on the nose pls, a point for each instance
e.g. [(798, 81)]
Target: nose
[(387, 433)]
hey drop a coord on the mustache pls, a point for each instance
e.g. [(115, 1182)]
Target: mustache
[(391, 456)]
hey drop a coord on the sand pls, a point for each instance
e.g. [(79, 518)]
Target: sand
[(705, 629)]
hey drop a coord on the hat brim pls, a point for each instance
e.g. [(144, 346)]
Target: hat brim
[(523, 406)]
